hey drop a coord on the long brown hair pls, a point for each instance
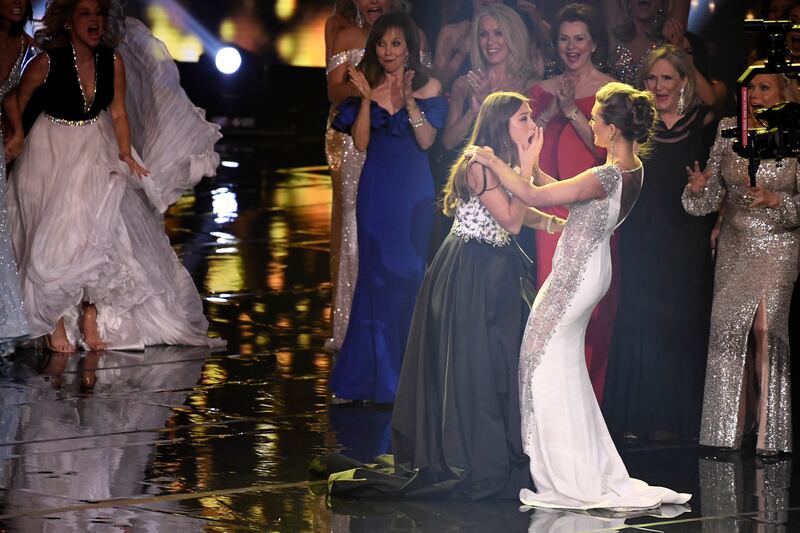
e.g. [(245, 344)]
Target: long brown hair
[(491, 129), (54, 34), (371, 66)]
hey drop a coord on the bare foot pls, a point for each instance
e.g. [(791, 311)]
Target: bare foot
[(58, 341), (91, 337)]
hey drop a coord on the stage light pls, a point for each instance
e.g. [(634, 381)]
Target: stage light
[(228, 60), (230, 164)]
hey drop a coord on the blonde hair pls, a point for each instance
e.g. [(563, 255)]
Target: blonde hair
[(59, 13), (681, 62), (626, 30), (515, 34), (490, 129)]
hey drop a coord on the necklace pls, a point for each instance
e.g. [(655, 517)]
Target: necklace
[(87, 104)]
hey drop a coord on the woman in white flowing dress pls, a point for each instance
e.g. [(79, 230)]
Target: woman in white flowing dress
[(96, 266), (574, 462)]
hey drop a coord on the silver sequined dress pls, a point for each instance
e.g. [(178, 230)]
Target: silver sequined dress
[(345, 164), (13, 323), (574, 463), (757, 261)]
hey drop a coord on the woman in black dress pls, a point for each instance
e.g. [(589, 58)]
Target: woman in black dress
[(456, 426), (656, 368)]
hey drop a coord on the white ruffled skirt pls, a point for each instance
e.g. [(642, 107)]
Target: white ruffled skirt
[(85, 230)]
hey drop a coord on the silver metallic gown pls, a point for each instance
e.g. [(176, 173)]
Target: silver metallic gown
[(13, 323), (757, 261)]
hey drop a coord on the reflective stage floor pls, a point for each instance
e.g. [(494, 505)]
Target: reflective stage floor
[(178, 439)]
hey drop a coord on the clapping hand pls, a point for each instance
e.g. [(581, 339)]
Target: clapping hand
[(480, 84), (359, 81), (408, 87), (697, 179), (565, 95)]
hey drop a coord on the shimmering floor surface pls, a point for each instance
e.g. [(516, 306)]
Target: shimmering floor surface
[(176, 439)]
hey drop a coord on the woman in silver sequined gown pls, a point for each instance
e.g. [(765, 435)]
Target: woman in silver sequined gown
[(757, 265), (13, 323), (346, 34)]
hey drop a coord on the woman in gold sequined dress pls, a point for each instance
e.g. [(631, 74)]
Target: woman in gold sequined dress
[(345, 36), (757, 265)]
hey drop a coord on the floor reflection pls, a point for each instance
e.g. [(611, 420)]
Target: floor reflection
[(84, 428)]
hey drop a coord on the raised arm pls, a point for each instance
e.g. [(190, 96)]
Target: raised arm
[(507, 211), (584, 186), (460, 114), (424, 132), (339, 86), (119, 116), (452, 48)]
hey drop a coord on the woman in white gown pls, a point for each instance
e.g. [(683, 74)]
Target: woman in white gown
[(86, 217), (574, 462)]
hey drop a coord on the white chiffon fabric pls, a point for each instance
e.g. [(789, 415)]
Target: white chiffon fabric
[(574, 463), (85, 230)]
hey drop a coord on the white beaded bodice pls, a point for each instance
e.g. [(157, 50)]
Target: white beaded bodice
[(473, 221)]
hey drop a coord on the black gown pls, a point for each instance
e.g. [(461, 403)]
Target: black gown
[(456, 420), (656, 366)]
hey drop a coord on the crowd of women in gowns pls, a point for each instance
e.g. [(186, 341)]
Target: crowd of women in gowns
[(676, 351)]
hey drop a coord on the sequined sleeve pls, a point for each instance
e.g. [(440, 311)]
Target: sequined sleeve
[(789, 210), (709, 198), (609, 177)]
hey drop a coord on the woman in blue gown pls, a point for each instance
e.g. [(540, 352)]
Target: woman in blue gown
[(395, 120)]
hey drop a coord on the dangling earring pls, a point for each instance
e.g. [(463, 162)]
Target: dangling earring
[(359, 18), (682, 101), (611, 149), (405, 61)]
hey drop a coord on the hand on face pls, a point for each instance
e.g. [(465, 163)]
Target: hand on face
[(529, 154)]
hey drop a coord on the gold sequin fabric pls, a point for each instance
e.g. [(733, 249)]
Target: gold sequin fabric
[(345, 164), (625, 68), (757, 261)]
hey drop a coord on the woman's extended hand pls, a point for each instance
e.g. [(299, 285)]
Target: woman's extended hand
[(479, 154), (763, 197), (697, 179), (565, 95), (14, 147), (359, 81), (136, 169)]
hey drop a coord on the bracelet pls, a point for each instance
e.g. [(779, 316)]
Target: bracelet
[(549, 227), (419, 122), (573, 115)]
